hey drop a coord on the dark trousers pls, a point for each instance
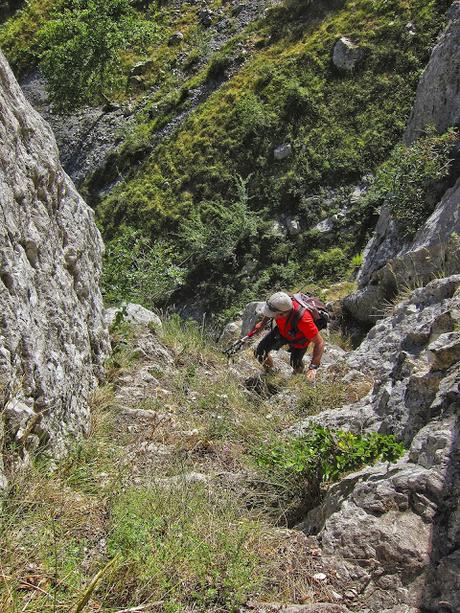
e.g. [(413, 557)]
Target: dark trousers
[(274, 341)]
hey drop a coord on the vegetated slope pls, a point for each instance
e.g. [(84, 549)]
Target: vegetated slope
[(174, 486), (339, 127), (198, 170)]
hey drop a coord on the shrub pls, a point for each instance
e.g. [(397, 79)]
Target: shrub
[(330, 265), (135, 270), (219, 63), (80, 49), (298, 467), (404, 182)]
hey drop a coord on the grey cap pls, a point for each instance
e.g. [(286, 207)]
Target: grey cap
[(277, 303)]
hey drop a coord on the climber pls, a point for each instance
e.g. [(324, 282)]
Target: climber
[(298, 321)]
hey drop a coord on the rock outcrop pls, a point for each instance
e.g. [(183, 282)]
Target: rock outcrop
[(389, 261), (395, 530), (437, 101), (53, 339)]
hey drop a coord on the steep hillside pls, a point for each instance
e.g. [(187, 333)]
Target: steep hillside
[(245, 135), (188, 493)]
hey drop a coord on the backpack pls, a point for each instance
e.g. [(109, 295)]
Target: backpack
[(316, 308)]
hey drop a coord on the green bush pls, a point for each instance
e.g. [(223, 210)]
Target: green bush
[(331, 265), (81, 49), (135, 270), (322, 455), (405, 181)]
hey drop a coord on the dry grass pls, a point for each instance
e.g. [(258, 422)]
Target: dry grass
[(103, 533)]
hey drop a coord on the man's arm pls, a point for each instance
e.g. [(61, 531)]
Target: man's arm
[(261, 325), (318, 348)]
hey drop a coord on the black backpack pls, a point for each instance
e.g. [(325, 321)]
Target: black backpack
[(316, 308)]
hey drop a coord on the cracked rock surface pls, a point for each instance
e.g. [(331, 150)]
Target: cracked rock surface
[(396, 529), (53, 339)]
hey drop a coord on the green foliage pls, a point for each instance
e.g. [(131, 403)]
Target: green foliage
[(80, 49), (137, 271), (404, 181), (322, 455), (18, 35), (331, 265), (357, 260)]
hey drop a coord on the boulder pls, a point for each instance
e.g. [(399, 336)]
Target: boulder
[(347, 54), (141, 68), (327, 225), (250, 316), (133, 314), (176, 38), (231, 333), (293, 226), (282, 151)]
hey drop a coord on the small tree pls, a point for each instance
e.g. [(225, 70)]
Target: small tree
[(137, 270), (80, 49)]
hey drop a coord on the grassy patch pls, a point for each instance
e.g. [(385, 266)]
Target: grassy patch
[(184, 546)]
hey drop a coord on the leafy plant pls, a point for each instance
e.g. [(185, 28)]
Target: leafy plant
[(138, 271), (81, 47), (404, 182), (300, 465)]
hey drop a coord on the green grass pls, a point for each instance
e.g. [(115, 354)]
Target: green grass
[(106, 525), (185, 547)]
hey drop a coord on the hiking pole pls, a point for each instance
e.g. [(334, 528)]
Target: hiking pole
[(239, 344)]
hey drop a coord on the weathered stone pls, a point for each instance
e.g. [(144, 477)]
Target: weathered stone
[(53, 339), (437, 101), (282, 151), (134, 314), (141, 68), (445, 350), (17, 415), (250, 316), (346, 55), (293, 226), (231, 332), (205, 16), (327, 225), (176, 38), (136, 82)]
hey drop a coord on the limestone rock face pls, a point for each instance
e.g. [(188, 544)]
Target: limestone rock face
[(53, 339), (390, 263), (437, 100), (396, 528)]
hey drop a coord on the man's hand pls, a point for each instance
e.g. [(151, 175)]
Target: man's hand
[(311, 375)]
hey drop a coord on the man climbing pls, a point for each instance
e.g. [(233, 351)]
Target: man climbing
[(295, 326)]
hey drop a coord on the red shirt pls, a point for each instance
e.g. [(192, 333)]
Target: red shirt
[(306, 328)]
